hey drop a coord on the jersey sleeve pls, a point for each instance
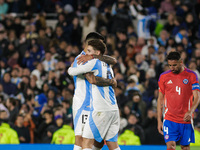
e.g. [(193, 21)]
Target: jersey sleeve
[(81, 69), (161, 84), (194, 81)]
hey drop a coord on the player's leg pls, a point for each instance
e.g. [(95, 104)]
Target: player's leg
[(171, 145), (79, 123), (77, 129), (92, 144), (96, 128), (112, 145), (171, 134), (97, 145), (187, 136), (88, 138), (87, 144), (112, 133), (78, 142)]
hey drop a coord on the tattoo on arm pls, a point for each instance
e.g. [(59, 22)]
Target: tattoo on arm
[(104, 82), (98, 80), (107, 59)]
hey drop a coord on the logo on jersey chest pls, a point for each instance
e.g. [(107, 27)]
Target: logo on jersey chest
[(169, 82), (185, 81)]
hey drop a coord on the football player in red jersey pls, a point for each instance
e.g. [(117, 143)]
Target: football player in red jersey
[(179, 96)]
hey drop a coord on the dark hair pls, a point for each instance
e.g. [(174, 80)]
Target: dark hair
[(98, 45), (133, 113), (94, 36), (182, 28), (12, 101), (137, 94), (48, 112), (173, 56), (67, 120), (66, 101)]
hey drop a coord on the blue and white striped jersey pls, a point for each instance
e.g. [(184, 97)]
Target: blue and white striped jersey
[(81, 98), (102, 98)]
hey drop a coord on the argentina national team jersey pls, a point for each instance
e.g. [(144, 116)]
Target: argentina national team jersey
[(103, 98), (81, 99)]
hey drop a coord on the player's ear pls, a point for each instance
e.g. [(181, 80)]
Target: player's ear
[(181, 61), (98, 52), (85, 48)]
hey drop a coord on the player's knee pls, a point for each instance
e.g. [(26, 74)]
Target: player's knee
[(171, 145), (78, 140), (185, 147), (87, 143), (112, 145)]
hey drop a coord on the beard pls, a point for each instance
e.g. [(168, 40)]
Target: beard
[(176, 71)]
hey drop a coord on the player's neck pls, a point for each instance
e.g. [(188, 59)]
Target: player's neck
[(182, 69)]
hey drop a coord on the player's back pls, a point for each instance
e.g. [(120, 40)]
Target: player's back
[(81, 98), (177, 89), (103, 98)]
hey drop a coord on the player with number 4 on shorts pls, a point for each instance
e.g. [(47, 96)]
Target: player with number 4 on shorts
[(179, 96)]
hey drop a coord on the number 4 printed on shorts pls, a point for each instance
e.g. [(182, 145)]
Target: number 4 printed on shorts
[(166, 129)]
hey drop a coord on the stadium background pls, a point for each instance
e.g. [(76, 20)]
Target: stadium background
[(40, 39)]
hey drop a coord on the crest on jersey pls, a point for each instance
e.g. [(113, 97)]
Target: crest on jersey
[(167, 137), (185, 81)]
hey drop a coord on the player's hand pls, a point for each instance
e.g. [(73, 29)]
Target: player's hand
[(160, 127), (114, 83), (84, 58), (188, 116)]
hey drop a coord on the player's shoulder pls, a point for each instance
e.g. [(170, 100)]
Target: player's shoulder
[(91, 61), (163, 75), (190, 71), (94, 61), (191, 74)]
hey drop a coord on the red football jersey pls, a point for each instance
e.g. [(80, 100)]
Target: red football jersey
[(177, 89)]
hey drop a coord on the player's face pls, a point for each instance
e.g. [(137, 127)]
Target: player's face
[(91, 51), (174, 66)]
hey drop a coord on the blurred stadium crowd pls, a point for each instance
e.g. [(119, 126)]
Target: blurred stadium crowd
[(35, 89)]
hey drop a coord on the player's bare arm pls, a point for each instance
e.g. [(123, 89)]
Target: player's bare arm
[(160, 103), (188, 115), (105, 58), (100, 81)]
